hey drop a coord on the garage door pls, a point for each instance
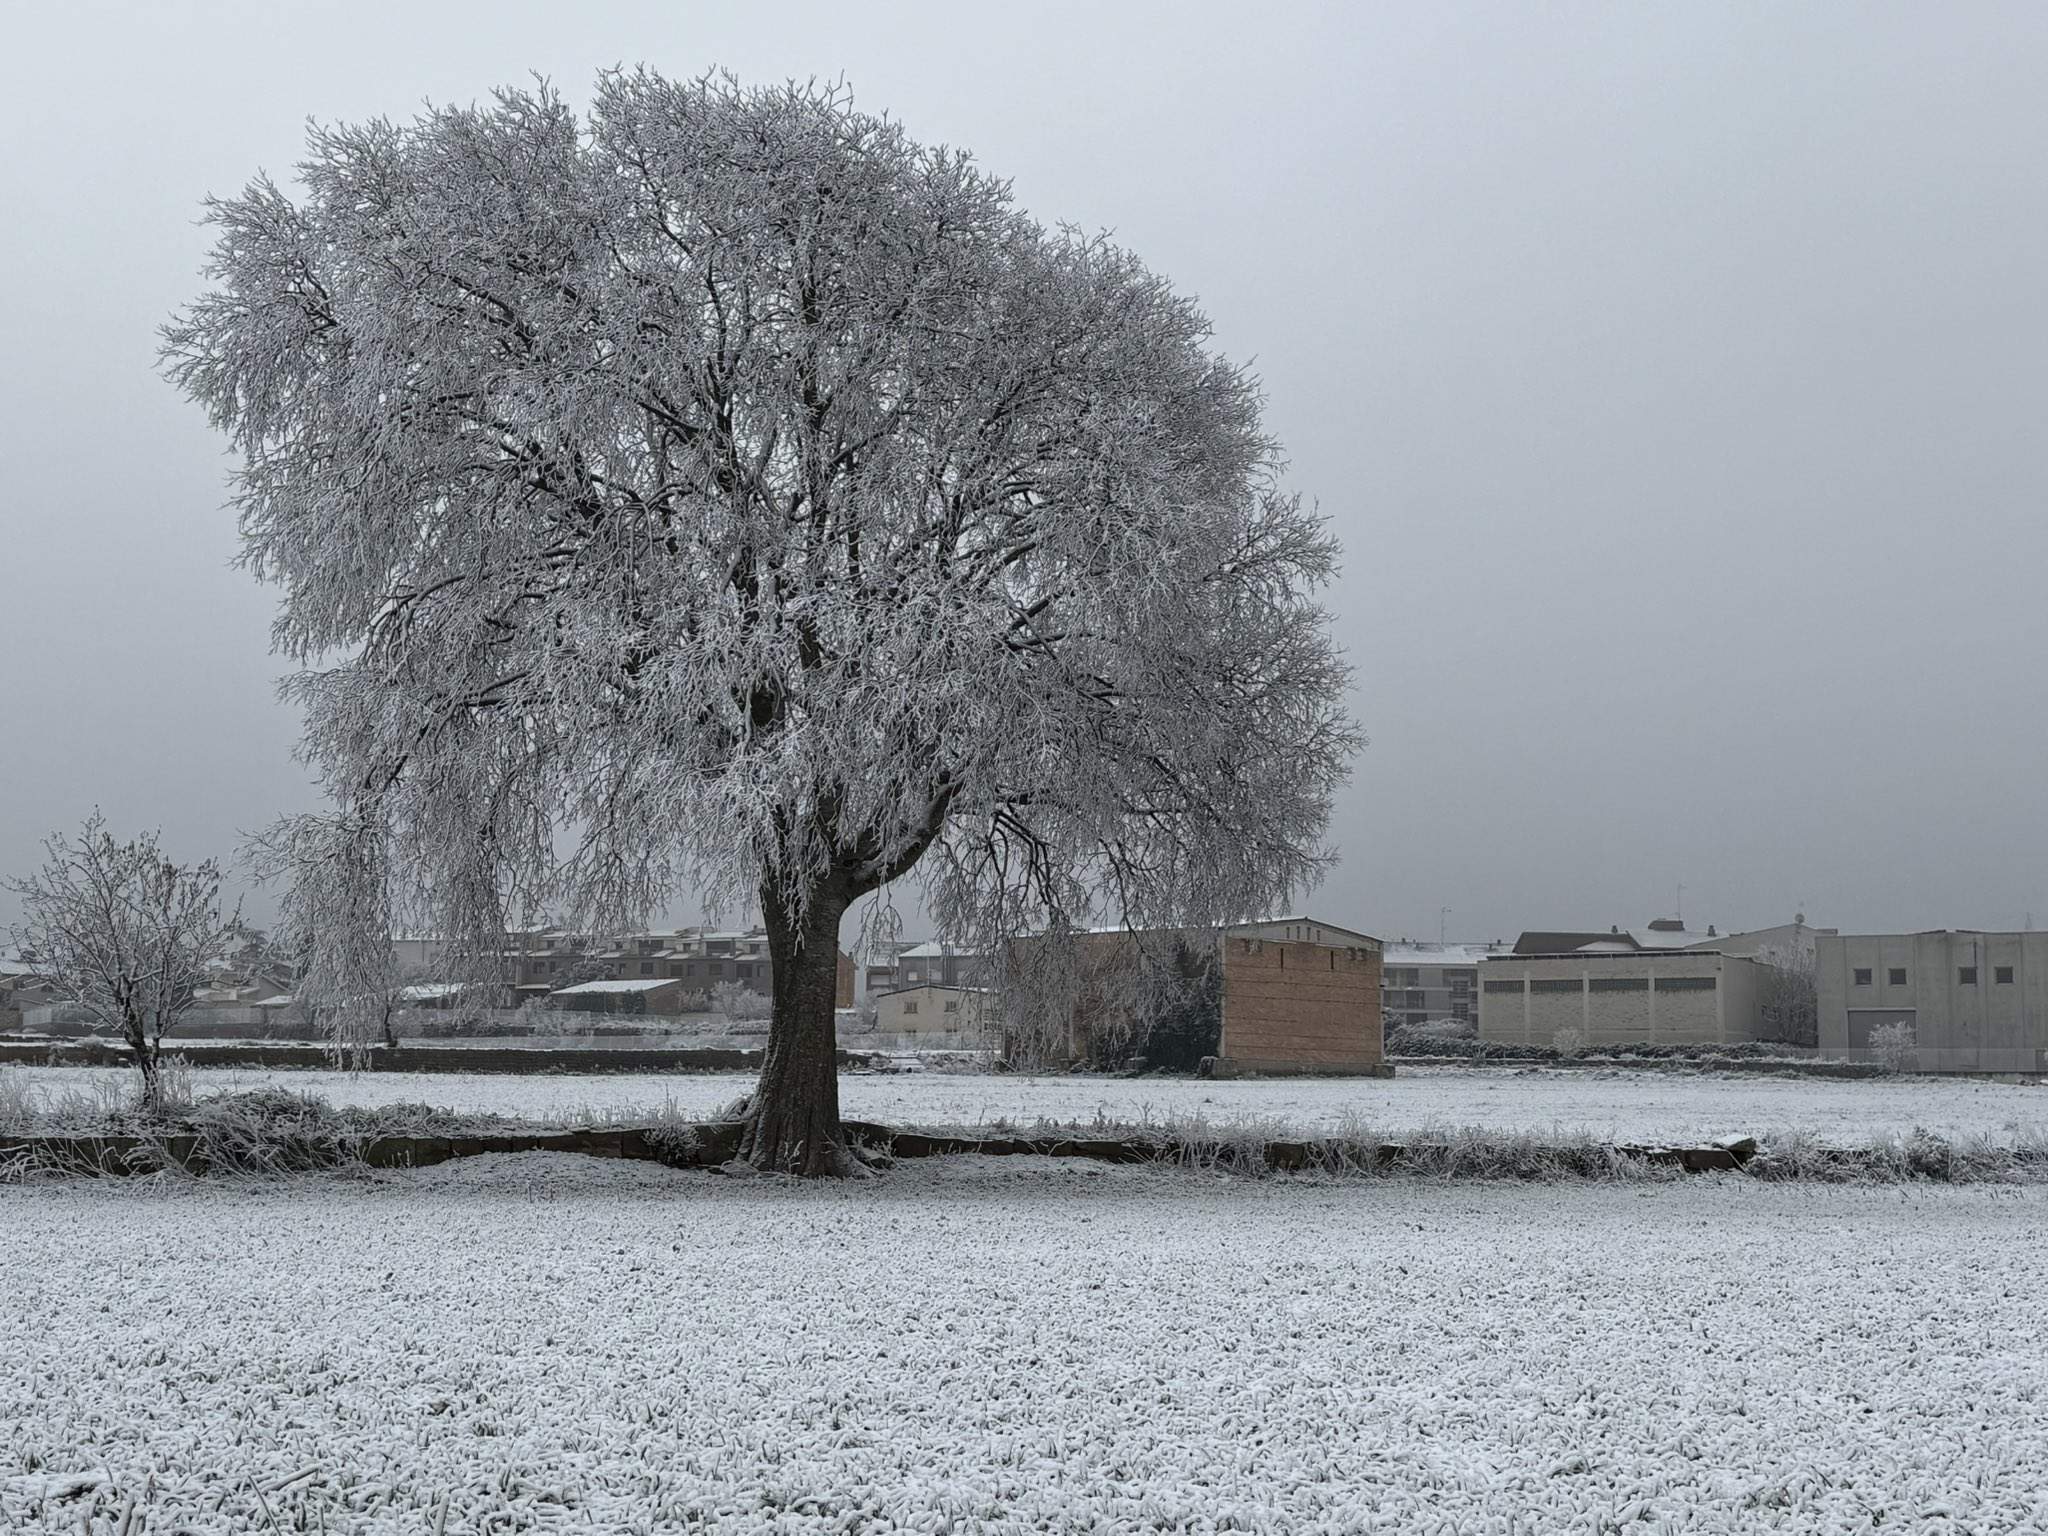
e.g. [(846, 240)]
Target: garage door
[(1863, 1020)]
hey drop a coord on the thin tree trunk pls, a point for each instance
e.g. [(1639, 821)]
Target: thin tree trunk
[(145, 1052), (793, 1118)]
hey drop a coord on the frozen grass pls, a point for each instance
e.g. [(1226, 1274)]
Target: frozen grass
[(545, 1342), (1611, 1104)]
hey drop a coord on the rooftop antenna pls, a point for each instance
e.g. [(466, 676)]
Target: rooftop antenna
[(1680, 913), (1441, 913)]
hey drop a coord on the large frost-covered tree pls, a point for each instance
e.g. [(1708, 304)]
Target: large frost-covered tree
[(724, 494)]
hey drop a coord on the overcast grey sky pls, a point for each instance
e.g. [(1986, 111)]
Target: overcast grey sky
[(1674, 375)]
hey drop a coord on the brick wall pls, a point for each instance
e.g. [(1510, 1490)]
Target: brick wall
[(1300, 1007)]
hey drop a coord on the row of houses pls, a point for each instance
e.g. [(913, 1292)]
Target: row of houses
[(668, 972)]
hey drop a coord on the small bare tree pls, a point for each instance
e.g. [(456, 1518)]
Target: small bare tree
[(1788, 996), (124, 933)]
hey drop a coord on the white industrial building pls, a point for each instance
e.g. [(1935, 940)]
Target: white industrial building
[(1620, 996), (1975, 1001)]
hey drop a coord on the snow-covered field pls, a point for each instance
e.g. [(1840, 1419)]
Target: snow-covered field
[(1614, 1102), (547, 1343)]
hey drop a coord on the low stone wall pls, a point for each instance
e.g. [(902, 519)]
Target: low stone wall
[(1238, 1066), (713, 1144), (1816, 1067)]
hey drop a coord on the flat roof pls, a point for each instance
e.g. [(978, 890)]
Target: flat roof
[(1617, 954), (639, 984)]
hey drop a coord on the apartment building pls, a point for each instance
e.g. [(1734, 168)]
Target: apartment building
[(940, 965), (1420, 983)]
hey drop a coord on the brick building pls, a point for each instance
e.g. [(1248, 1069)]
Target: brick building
[(1299, 1008), (1279, 995)]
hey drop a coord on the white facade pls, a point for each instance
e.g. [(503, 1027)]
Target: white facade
[(1668, 997), (933, 1010)]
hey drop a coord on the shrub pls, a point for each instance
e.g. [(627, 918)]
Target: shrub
[(1893, 1046), (738, 1001), (1569, 1041)]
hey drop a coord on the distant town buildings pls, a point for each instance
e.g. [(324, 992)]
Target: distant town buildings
[(550, 962)]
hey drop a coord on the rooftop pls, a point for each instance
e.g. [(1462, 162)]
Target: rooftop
[(1439, 954), (642, 984)]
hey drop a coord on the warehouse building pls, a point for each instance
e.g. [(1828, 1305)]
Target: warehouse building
[(1975, 1001), (1620, 997)]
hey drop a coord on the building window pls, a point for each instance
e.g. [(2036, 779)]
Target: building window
[(646, 967), (1541, 984), (1685, 983), (1502, 986), (1966, 975), (910, 1007), (1620, 984), (2002, 975), (1862, 975), (1896, 976), (952, 1007), (1415, 999)]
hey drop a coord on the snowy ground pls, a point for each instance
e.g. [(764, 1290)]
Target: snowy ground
[(551, 1343), (1629, 1105)]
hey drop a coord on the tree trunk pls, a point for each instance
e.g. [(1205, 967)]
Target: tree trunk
[(793, 1119), (146, 1052)]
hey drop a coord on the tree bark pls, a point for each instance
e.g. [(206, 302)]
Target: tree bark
[(793, 1118), (146, 1053)]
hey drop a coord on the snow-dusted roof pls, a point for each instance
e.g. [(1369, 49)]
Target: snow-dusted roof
[(1665, 938), (1438, 954), (427, 991), (1302, 917), (640, 984), (934, 950)]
